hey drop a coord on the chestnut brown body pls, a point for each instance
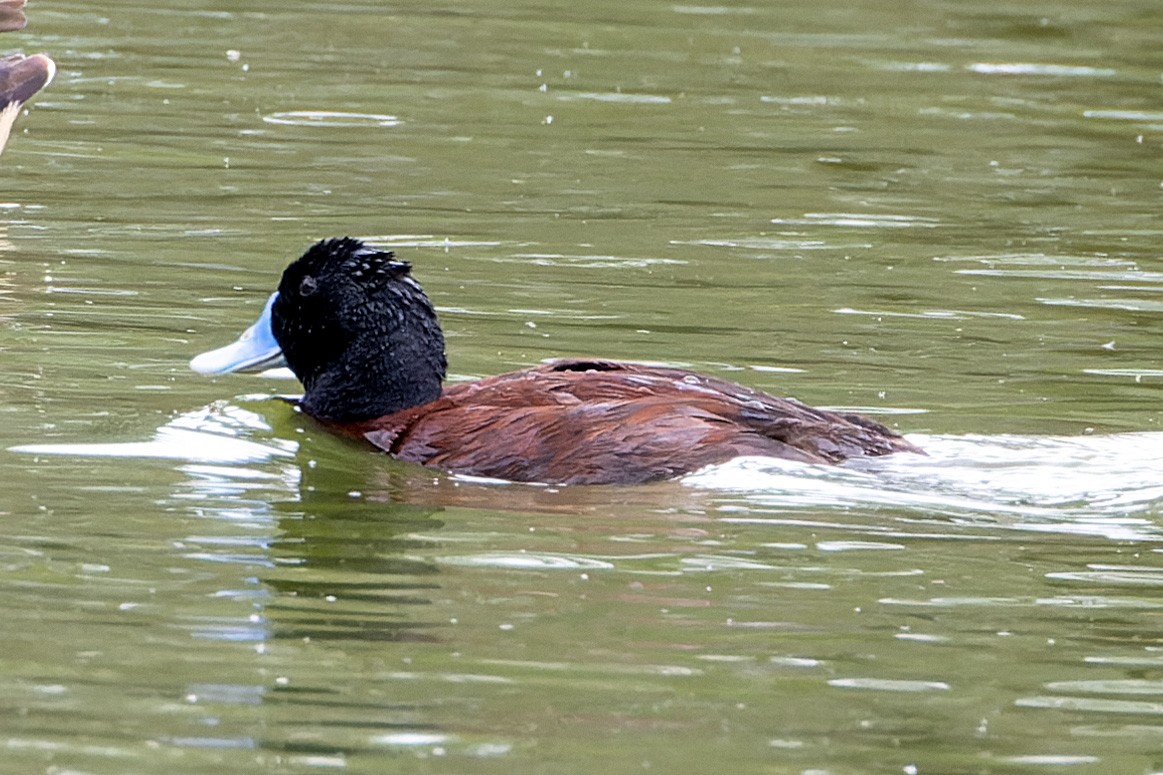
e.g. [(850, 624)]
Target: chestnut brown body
[(602, 422)]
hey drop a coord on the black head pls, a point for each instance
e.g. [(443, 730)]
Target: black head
[(358, 332)]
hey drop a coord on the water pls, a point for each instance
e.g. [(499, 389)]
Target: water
[(941, 214)]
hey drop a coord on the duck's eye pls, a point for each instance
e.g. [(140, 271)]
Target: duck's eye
[(307, 286)]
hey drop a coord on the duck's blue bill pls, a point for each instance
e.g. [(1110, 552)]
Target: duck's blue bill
[(256, 350)]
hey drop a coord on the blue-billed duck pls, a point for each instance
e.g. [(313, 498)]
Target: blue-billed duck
[(362, 336)]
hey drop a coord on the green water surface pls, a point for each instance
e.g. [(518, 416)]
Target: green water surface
[(944, 214)]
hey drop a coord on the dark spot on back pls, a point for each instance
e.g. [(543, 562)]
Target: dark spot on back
[(586, 366)]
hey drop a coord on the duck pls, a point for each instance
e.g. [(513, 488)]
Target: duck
[(360, 334), (20, 76), (12, 15)]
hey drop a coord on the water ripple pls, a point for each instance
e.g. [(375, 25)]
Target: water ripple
[(888, 685), (862, 220), (1091, 704), (1114, 686), (619, 97), (1085, 485), (1031, 68), (526, 561), (212, 435), (331, 118)]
